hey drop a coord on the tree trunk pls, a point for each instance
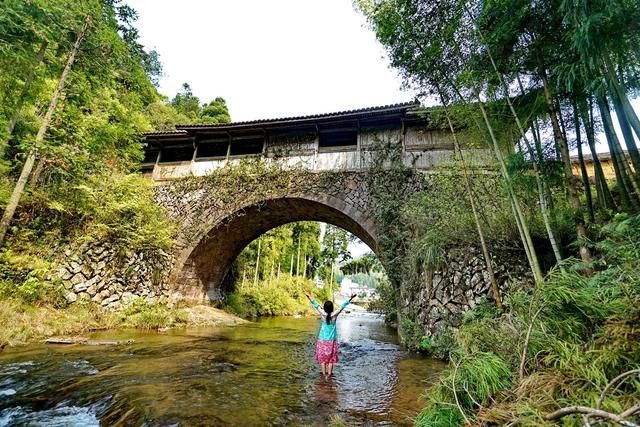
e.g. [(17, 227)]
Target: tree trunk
[(583, 167), (37, 171), (523, 227), (304, 268), (605, 199), (28, 165), (298, 258), (476, 218), (523, 134), (527, 250), (581, 231), (25, 90), (272, 269), (517, 211), (621, 93), (255, 277), (536, 164), (627, 185), (629, 140)]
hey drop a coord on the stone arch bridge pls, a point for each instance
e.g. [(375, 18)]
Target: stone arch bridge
[(226, 184)]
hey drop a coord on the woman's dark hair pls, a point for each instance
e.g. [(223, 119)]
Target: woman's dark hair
[(328, 308)]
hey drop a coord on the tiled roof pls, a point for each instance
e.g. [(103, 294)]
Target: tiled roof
[(601, 156), (339, 114), (167, 133)]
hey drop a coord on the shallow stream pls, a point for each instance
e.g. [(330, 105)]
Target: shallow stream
[(260, 373)]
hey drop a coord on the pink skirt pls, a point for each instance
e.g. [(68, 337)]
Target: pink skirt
[(327, 351)]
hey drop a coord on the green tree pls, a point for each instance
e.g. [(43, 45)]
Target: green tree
[(335, 249), (215, 112), (291, 249), (97, 84), (187, 104), (31, 157), (189, 110)]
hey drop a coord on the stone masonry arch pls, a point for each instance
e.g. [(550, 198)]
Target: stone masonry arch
[(216, 221), (207, 264)]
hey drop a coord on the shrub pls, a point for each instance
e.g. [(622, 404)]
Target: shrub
[(386, 301), (23, 277), (281, 297), (143, 315), (438, 346)]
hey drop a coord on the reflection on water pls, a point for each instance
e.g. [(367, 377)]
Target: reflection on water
[(262, 373)]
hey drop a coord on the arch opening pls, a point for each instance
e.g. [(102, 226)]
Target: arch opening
[(205, 274), (274, 272)]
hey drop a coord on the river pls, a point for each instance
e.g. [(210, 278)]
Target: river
[(260, 373)]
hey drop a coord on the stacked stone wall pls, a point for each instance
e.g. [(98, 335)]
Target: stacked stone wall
[(443, 296), (111, 278)]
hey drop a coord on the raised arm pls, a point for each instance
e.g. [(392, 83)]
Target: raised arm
[(316, 306), (344, 304)]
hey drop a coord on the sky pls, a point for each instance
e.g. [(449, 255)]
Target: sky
[(269, 59)]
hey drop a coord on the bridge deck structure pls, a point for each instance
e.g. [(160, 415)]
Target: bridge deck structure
[(342, 141)]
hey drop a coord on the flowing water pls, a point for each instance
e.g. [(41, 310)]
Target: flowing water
[(260, 373)]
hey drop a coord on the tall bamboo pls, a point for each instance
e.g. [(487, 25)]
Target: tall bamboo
[(476, 218), (605, 199), (255, 277), (581, 230), (583, 167), (521, 222), (629, 190), (31, 158)]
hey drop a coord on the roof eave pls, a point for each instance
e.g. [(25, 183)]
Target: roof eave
[(301, 120)]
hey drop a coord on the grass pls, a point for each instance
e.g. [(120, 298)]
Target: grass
[(141, 315), (336, 421), (23, 323)]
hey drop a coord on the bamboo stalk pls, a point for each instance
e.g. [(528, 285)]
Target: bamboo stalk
[(44, 126)]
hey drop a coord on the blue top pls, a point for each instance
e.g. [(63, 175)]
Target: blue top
[(328, 331)]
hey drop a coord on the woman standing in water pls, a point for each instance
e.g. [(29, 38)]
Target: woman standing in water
[(327, 343)]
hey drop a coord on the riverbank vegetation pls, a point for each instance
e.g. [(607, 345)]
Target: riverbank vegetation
[(558, 346), (284, 296), (533, 82)]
